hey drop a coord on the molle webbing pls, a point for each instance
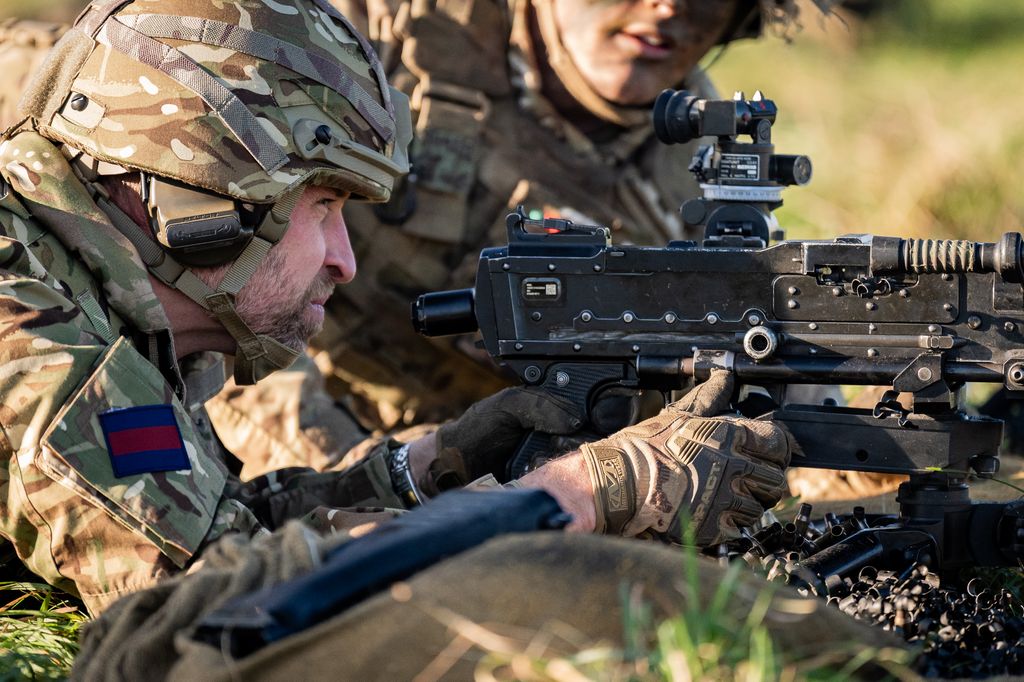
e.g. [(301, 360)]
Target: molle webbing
[(268, 48), (224, 103), (449, 127), (92, 309)]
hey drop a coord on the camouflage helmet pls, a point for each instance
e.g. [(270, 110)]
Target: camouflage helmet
[(221, 106), (246, 99)]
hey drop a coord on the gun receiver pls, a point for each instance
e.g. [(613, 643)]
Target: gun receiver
[(567, 310)]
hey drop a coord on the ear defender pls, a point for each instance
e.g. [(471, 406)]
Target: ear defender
[(196, 228)]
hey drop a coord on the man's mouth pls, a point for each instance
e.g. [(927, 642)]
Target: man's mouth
[(645, 41)]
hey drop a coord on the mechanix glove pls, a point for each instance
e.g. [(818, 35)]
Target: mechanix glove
[(724, 471), (486, 436)]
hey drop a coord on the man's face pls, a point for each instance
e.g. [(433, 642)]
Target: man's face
[(285, 298), (630, 50)]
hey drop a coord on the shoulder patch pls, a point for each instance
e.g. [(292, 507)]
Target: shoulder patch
[(172, 507), (143, 440)]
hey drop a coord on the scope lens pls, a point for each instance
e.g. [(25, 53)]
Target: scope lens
[(672, 117), (788, 169)]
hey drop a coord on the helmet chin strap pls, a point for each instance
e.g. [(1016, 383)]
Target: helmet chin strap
[(256, 355)]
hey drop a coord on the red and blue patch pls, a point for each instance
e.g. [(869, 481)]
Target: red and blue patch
[(143, 440)]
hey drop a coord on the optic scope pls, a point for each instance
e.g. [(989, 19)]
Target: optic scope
[(680, 116), (742, 182)]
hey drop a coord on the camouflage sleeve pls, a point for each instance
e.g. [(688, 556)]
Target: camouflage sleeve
[(96, 504), (294, 493)]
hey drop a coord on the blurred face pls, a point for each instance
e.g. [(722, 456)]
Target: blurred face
[(630, 50), (285, 298)]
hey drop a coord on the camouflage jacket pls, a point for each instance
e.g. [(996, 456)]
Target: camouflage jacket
[(486, 141), (113, 476)]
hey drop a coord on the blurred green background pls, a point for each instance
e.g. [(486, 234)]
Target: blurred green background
[(913, 113)]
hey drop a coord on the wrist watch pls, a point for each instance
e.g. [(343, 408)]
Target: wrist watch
[(401, 478)]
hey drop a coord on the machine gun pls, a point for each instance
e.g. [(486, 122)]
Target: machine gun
[(567, 310)]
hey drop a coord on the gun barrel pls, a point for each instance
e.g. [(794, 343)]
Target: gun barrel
[(445, 312), (951, 256)]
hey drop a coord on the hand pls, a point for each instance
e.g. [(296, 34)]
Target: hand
[(484, 439), (723, 470)]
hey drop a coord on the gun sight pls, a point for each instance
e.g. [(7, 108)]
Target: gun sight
[(741, 181), (680, 117)]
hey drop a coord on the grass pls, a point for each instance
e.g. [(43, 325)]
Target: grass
[(38, 632)]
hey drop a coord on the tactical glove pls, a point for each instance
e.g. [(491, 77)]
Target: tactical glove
[(724, 471), (485, 438)]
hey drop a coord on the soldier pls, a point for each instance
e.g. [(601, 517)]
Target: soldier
[(176, 192), (552, 113)]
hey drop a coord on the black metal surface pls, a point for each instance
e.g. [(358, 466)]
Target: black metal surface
[(635, 315), (444, 313)]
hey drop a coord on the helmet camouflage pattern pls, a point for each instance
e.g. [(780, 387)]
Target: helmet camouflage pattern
[(249, 98)]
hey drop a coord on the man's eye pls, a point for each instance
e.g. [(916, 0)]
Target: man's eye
[(332, 199)]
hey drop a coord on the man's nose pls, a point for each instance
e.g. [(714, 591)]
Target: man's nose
[(339, 258), (665, 8)]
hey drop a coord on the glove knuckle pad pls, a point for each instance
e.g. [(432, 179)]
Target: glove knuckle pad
[(697, 434)]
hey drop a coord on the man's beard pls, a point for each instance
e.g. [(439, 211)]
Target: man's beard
[(262, 304), (292, 325)]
